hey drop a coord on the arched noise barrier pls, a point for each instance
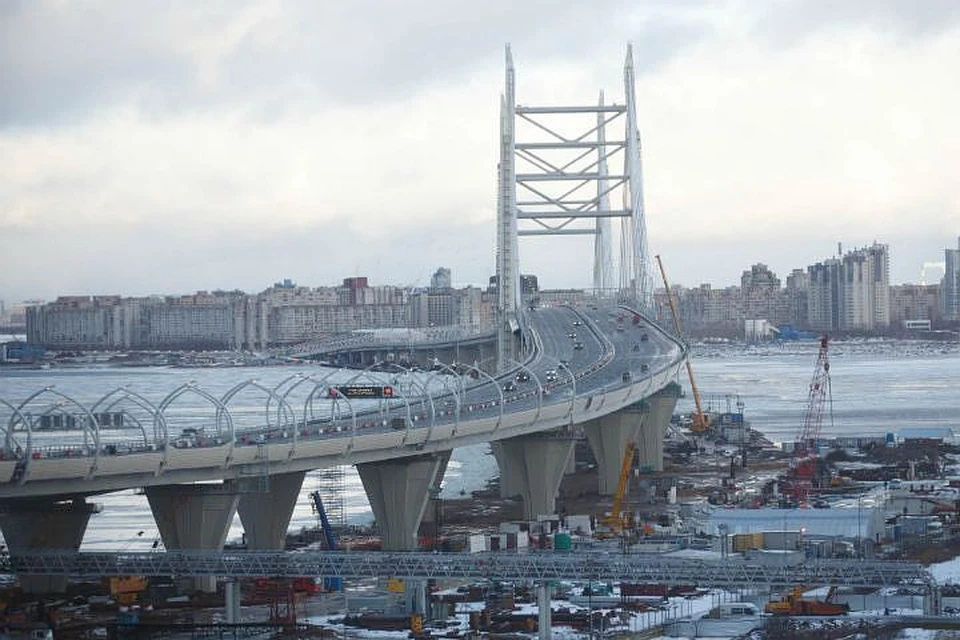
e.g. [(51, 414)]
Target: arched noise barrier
[(308, 414), (198, 454), (124, 394), (286, 418), (14, 454), (375, 431), (150, 455), (58, 461), (424, 394), (502, 401), (458, 399), (536, 380)]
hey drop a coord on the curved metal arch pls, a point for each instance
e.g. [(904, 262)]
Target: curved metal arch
[(92, 424), (125, 393), (276, 390), (366, 373), (421, 389), (8, 431), (499, 388), (282, 404), (308, 403), (353, 414), (424, 393), (192, 387), (457, 400)]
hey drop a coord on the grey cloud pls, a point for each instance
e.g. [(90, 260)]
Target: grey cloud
[(169, 258), (59, 62), (791, 21)]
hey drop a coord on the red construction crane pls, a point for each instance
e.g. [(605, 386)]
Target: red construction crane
[(804, 462)]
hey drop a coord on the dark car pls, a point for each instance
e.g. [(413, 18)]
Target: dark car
[(523, 376), (510, 386), (578, 346)]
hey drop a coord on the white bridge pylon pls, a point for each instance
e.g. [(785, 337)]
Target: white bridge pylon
[(554, 179)]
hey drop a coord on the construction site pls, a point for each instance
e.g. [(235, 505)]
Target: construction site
[(724, 490)]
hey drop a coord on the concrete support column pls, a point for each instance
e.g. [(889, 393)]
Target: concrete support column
[(266, 516), (608, 437), (544, 618), (510, 484), (429, 515), (398, 491), (659, 409), (34, 525), (415, 596), (231, 601), (534, 465), (194, 517), (571, 465)]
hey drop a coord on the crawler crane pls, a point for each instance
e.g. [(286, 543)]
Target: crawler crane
[(804, 462)]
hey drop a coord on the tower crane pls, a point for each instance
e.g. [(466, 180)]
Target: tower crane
[(804, 462), (700, 420)]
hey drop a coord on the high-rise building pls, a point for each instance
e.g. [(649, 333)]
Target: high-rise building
[(851, 293), (910, 302), (796, 292), (950, 285), (823, 295), (441, 279)]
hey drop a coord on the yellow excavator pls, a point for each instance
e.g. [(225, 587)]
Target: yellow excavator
[(701, 421)]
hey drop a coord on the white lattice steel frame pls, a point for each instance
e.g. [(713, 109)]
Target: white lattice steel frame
[(555, 181), (732, 571)]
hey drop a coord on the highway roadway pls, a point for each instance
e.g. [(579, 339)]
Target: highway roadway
[(622, 359)]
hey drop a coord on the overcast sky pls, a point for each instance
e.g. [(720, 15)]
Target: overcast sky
[(165, 147)]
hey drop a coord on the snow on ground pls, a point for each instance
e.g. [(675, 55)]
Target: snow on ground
[(917, 634), (946, 572), (673, 608)]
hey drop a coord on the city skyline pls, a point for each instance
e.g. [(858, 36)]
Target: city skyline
[(168, 148), (432, 273)]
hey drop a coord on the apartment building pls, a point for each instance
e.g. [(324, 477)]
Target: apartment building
[(950, 292)]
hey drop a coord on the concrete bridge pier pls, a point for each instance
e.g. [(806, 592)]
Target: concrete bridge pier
[(658, 411), (608, 437), (398, 491), (266, 516), (37, 524), (533, 467), (194, 517)]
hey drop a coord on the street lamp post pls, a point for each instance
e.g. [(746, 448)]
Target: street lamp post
[(743, 428)]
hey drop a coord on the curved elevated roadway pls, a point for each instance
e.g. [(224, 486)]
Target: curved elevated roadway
[(615, 359)]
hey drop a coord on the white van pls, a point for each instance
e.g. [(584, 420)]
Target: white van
[(738, 610)]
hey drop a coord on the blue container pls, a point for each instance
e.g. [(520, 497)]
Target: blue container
[(333, 584)]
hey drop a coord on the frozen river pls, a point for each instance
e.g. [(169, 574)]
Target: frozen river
[(877, 387)]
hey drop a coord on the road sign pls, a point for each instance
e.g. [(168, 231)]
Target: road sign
[(362, 391)]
